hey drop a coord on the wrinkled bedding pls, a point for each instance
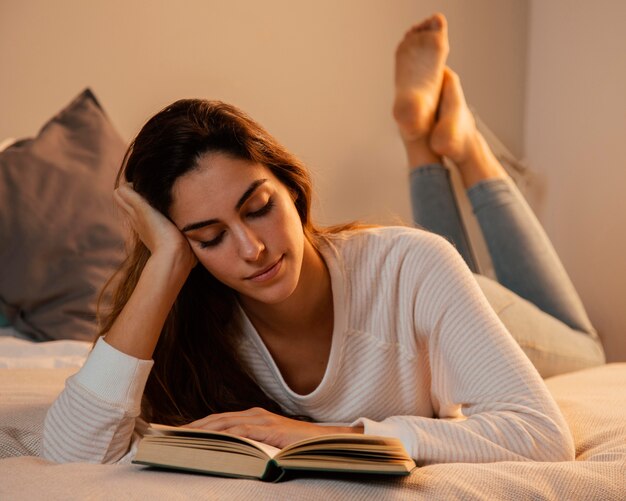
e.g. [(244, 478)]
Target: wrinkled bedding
[(593, 402)]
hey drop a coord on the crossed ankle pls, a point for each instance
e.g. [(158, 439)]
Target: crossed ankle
[(420, 153)]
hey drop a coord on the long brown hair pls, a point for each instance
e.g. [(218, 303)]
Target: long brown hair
[(196, 368)]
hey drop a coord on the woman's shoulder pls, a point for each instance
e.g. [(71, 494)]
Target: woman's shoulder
[(386, 241), (385, 235)]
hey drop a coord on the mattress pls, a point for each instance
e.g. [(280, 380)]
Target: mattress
[(593, 402)]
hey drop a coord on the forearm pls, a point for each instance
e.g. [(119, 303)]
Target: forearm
[(93, 419), (137, 328), (522, 435)]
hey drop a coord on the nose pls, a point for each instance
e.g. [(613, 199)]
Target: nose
[(250, 245)]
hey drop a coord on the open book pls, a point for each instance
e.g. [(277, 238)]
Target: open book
[(224, 454)]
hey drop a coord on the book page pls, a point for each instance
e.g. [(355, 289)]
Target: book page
[(269, 450), (347, 441), (348, 452)]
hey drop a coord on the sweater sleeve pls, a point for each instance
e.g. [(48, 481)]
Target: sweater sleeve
[(490, 403), (95, 418)]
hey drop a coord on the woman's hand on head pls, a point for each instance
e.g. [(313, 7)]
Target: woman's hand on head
[(267, 427), (157, 232)]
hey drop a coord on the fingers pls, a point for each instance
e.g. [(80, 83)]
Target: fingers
[(160, 235), (258, 433), (121, 203), (134, 207), (256, 424), (128, 199), (262, 426), (224, 420)]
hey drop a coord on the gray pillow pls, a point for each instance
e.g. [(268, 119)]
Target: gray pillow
[(60, 238)]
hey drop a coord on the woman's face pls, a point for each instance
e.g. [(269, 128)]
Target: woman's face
[(242, 225)]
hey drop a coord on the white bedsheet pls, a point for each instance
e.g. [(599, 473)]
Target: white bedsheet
[(592, 401), (16, 353)]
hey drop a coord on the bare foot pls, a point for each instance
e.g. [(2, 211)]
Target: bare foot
[(420, 62), (456, 137), (455, 130)]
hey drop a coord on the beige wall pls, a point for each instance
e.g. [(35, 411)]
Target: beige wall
[(575, 136), (317, 74)]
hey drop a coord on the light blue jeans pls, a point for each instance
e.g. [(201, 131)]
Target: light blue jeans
[(534, 296)]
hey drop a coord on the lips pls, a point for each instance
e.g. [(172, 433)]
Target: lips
[(267, 273)]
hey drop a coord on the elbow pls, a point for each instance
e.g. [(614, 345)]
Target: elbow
[(51, 449), (62, 440), (558, 440), (538, 437), (67, 440), (553, 445), (560, 448), (58, 441)]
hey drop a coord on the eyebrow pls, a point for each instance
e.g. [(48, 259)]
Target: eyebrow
[(242, 200)]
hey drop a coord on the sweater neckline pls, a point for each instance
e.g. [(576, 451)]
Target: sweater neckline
[(338, 283)]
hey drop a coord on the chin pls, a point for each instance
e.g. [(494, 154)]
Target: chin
[(276, 292), (272, 294)]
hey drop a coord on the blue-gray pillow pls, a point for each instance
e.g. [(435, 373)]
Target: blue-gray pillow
[(60, 238)]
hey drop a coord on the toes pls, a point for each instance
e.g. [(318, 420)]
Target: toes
[(436, 22), (439, 21), (429, 33)]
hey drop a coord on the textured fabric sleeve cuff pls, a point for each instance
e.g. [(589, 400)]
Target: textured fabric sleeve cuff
[(389, 428), (114, 376)]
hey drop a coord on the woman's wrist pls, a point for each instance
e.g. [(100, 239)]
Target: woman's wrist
[(349, 429), (138, 326), (180, 260)]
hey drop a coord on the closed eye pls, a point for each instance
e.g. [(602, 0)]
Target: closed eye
[(213, 242), (257, 213), (263, 210)]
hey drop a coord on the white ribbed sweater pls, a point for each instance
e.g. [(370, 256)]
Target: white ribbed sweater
[(417, 353)]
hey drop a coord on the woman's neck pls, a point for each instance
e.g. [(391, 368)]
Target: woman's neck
[(311, 303)]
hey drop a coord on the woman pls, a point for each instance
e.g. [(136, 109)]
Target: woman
[(254, 316)]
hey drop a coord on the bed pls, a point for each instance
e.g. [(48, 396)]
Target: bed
[(60, 240), (592, 400)]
